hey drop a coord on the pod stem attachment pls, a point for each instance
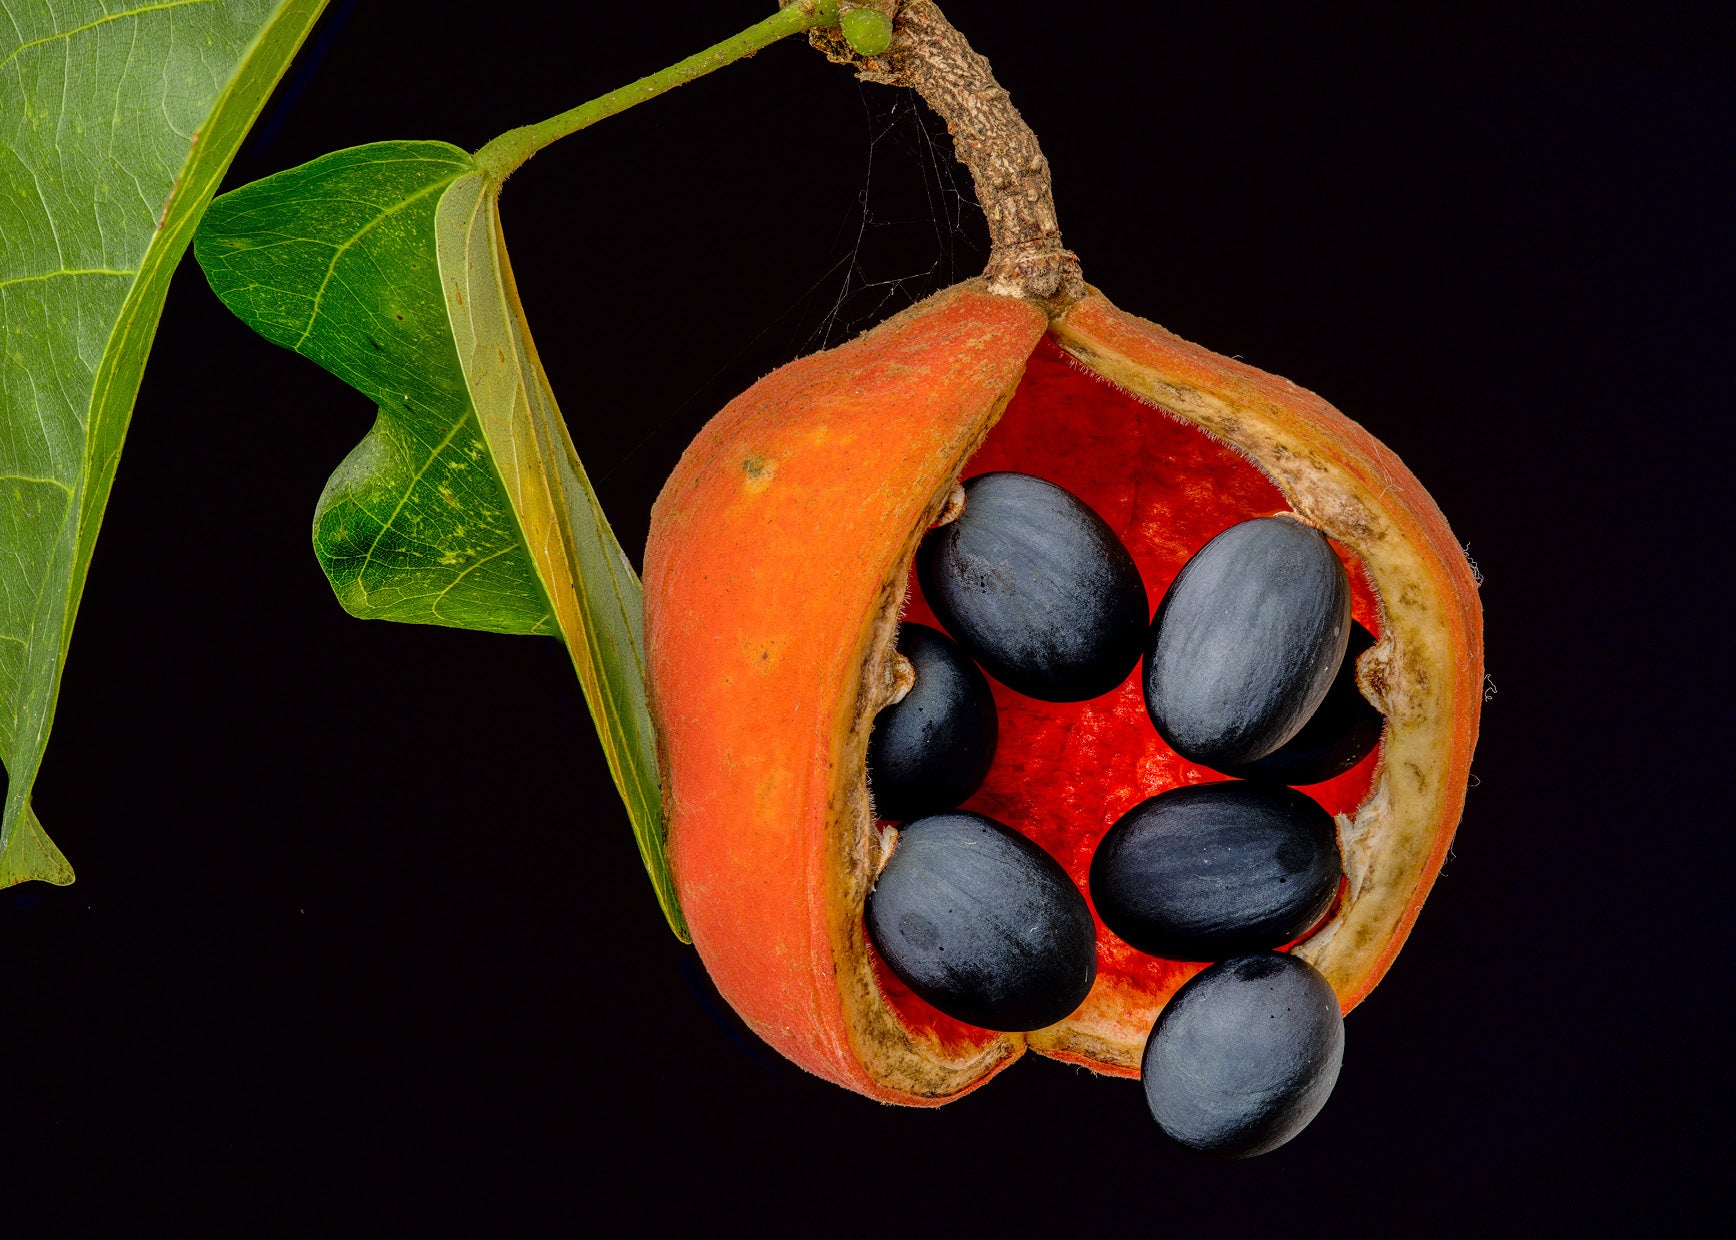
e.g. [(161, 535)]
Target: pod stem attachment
[(930, 56), (500, 157)]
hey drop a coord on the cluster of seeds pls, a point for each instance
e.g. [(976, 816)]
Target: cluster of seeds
[(1248, 669)]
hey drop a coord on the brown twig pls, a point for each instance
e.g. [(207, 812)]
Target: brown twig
[(931, 57)]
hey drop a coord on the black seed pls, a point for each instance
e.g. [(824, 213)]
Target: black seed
[(934, 748), (1015, 948), (1037, 588), (1343, 731), (1247, 641), (1244, 1055), (1210, 870)]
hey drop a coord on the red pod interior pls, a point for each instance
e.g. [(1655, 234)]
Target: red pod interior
[(1065, 771)]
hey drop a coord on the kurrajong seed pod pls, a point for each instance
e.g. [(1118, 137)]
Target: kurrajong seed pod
[(778, 567), (776, 571)]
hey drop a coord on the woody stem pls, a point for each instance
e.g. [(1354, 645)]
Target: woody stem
[(1011, 176)]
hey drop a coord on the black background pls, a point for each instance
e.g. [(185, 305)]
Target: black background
[(360, 938)]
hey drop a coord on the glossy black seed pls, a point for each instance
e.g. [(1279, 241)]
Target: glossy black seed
[(1037, 588), (1343, 731), (1244, 1056), (983, 923), (1247, 641), (1210, 870), (934, 748)]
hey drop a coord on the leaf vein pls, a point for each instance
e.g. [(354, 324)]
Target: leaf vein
[(101, 21), (319, 293), (435, 605), (47, 482), (409, 489), (67, 271)]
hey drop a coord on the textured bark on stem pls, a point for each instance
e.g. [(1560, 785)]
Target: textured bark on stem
[(990, 138)]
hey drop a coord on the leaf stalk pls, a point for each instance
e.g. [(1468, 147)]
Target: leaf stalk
[(502, 156)]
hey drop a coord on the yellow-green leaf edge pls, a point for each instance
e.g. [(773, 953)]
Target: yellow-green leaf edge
[(591, 585)]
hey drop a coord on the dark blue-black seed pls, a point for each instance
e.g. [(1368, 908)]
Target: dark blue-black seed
[(983, 923), (1209, 870), (1246, 642), (1244, 1055), (934, 748), (1037, 588), (1341, 733)]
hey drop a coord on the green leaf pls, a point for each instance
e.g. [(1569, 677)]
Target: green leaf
[(335, 260), (466, 504), (116, 124)]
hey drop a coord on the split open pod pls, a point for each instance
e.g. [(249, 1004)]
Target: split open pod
[(778, 568)]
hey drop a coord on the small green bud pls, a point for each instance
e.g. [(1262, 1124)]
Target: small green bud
[(867, 31)]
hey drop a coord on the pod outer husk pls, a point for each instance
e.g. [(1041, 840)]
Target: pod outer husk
[(1425, 674), (774, 575)]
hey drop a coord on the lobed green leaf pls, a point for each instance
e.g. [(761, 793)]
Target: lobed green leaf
[(466, 505), (335, 259)]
